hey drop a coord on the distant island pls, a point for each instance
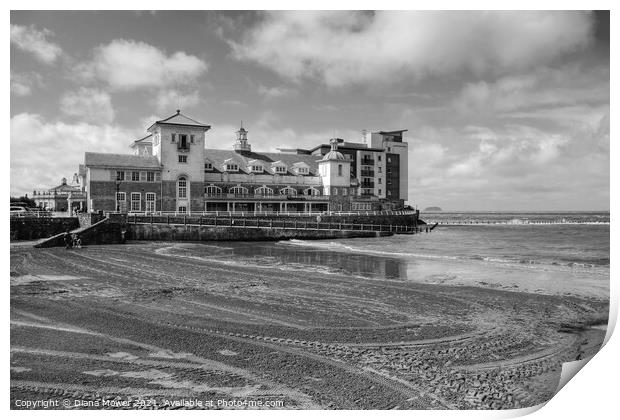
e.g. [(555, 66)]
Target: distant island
[(433, 209)]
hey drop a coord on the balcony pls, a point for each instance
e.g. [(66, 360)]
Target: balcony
[(368, 184), (366, 161), (368, 173)]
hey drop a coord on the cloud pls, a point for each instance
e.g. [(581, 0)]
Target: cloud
[(59, 148), (342, 48), (128, 65), (543, 89), (167, 101), (29, 39), (22, 84), (275, 92), (89, 105)]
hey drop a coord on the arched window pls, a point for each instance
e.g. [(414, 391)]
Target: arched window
[(263, 191), (182, 187), (238, 190), (288, 191), (212, 190), (312, 191)]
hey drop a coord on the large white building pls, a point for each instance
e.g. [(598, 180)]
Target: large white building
[(173, 169)]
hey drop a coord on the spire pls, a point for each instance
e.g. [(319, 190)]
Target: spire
[(242, 145)]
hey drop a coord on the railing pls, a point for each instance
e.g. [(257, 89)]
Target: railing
[(367, 173), (368, 185), (368, 162), (276, 213), (266, 196), (268, 223)]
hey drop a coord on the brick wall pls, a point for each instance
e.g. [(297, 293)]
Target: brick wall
[(37, 228)]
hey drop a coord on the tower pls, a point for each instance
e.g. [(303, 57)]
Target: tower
[(179, 146), (335, 171), (242, 145)]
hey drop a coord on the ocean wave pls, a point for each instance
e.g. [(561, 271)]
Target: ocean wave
[(519, 261)]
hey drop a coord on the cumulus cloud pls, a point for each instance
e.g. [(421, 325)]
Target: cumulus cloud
[(22, 84), (341, 48), (34, 41), (59, 149), (167, 101), (530, 92), (128, 64), (274, 92), (89, 105)]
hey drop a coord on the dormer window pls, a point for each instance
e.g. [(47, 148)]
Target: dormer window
[(232, 167), (208, 166), (302, 171), (256, 168), (280, 169)]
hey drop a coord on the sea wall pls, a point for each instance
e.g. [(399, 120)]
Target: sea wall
[(162, 232), (111, 230), (29, 228)]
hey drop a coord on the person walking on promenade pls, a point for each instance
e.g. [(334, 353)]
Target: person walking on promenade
[(67, 239)]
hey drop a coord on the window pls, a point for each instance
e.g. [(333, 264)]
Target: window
[(191, 138), (208, 166), (120, 175), (379, 158), (302, 170), (182, 188), (183, 141), (344, 191), (212, 190), (379, 181), (288, 191), (238, 190), (256, 168), (280, 169), (334, 191), (182, 158), (339, 170), (379, 191), (120, 201), (232, 167), (135, 201), (379, 169), (312, 191), (135, 176), (150, 202), (157, 176), (174, 137), (389, 150), (263, 191), (182, 209), (150, 176)]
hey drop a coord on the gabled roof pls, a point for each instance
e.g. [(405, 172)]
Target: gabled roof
[(180, 119), (114, 160), (143, 141), (218, 156)]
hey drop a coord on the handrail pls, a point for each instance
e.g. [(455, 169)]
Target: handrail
[(281, 213), (245, 222)]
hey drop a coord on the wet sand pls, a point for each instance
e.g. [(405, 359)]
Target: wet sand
[(109, 323)]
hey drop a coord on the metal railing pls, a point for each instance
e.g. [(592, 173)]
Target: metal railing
[(259, 223), (277, 213)]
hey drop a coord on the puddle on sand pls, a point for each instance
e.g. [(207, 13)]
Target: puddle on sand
[(31, 278), (226, 352), (122, 355)]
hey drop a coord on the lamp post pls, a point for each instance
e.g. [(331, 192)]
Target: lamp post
[(118, 205)]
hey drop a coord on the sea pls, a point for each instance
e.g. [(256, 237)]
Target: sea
[(560, 253)]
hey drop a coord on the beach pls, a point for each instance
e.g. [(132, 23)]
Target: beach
[(344, 324)]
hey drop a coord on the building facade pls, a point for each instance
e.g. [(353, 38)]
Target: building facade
[(63, 197), (172, 170)]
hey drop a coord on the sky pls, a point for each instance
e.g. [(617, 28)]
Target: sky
[(504, 110)]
